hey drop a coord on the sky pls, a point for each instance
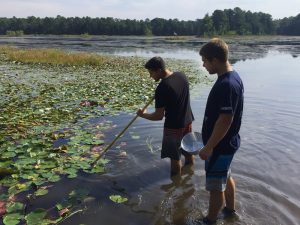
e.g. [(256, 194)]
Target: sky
[(142, 9)]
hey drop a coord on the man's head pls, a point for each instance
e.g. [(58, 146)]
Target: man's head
[(214, 54), (156, 67)]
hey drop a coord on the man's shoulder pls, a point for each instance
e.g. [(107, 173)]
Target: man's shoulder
[(162, 86), (180, 76), (175, 77), (230, 79), (179, 73)]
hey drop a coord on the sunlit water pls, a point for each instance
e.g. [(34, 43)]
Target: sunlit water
[(266, 167)]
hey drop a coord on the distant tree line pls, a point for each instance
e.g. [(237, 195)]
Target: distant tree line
[(228, 21)]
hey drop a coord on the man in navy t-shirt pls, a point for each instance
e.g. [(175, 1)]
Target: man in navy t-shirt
[(220, 130)]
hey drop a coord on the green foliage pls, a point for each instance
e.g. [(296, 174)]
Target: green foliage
[(53, 56), (85, 35), (12, 33), (289, 26), (12, 218), (40, 107), (118, 198), (14, 207), (220, 22), (35, 217)]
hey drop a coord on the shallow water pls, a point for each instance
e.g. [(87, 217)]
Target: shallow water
[(265, 167)]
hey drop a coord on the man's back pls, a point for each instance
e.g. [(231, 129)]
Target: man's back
[(172, 93)]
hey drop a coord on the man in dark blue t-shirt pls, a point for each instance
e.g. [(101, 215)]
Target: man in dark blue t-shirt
[(220, 130), (172, 101)]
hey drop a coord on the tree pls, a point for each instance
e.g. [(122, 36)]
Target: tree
[(228, 21), (239, 21), (157, 25), (220, 22), (289, 26), (208, 26)]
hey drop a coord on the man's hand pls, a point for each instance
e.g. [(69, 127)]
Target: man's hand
[(221, 127), (205, 152), (140, 112), (158, 114)]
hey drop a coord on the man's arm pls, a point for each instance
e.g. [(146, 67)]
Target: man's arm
[(221, 127), (158, 114)]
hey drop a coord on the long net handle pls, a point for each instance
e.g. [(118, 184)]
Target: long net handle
[(120, 134)]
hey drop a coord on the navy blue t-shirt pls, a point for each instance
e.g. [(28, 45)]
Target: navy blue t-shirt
[(226, 96), (173, 94)]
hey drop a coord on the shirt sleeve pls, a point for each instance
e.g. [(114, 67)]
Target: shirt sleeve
[(226, 99), (160, 96)]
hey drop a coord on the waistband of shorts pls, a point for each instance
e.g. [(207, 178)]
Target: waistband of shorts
[(178, 131)]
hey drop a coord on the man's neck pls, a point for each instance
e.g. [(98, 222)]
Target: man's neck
[(224, 69), (166, 73)]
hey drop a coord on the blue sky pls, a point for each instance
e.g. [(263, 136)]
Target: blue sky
[(142, 9)]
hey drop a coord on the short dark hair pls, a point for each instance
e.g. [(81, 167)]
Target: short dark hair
[(155, 63), (215, 48)]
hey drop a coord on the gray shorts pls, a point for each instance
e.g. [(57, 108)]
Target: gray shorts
[(172, 141), (171, 147)]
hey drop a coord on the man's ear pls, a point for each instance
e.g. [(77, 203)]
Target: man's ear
[(215, 61)]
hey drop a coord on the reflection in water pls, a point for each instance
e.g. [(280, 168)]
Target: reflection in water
[(176, 204), (242, 48)]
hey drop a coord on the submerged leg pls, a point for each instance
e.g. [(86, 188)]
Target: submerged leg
[(230, 194), (189, 159), (216, 202), (175, 167)]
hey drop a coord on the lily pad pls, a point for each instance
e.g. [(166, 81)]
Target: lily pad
[(35, 217), (14, 207), (41, 192), (54, 178), (118, 198), (12, 218)]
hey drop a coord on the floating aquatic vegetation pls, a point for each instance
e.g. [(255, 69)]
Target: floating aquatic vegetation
[(90, 103), (16, 212), (135, 136), (150, 146), (118, 198), (46, 132)]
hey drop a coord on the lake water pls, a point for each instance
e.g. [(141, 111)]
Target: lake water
[(266, 167)]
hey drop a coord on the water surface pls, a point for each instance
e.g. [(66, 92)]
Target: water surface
[(265, 167)]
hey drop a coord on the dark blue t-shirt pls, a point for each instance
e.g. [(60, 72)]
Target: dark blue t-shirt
[(226, 96), (173, 94)]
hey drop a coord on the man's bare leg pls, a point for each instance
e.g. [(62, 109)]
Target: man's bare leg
[(175, 167), (189, 159), (216, 202), (230, 194)]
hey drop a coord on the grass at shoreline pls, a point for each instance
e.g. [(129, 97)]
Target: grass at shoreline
[(52, 56)]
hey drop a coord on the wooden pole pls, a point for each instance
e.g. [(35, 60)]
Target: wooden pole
[(120, 134)]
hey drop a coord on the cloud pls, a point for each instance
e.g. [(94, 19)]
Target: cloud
[(20, 8), (142, 9)]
